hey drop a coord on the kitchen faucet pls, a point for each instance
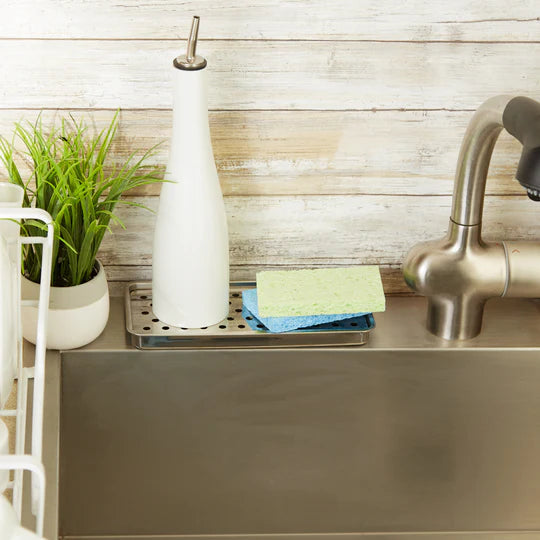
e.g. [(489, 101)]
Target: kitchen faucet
[(460, 272)]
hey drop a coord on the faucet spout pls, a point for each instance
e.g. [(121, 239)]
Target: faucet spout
[(460, 272), (473, 162)]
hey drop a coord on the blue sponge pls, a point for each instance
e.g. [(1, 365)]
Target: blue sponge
[(286, 324), (365, 322)]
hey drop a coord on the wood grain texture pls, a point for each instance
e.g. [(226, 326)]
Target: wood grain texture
[(336, 125), (331, 230), (312, 152), (418, 20), (119, 276), (268, 75)]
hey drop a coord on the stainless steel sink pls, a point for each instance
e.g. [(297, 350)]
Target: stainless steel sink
[(313, 442), (408, 436)]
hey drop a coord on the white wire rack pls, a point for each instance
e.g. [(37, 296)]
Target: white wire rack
[(21, 461)]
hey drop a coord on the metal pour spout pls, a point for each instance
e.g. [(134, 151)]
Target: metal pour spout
[(191, 61), (192, 41)]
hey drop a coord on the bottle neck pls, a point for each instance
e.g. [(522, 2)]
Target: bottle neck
[(190, 108)]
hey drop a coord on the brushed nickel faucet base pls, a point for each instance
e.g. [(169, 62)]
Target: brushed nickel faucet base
[(458, 274)]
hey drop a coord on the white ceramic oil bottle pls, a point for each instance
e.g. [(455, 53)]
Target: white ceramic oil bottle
[(190, 273)]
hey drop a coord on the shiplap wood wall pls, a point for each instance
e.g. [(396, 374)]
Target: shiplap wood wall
[(336, 125)]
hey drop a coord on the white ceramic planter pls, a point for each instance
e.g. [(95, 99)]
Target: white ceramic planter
[(77, 315)]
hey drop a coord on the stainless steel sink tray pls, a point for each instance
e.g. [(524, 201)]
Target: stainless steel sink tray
[(145, 331)]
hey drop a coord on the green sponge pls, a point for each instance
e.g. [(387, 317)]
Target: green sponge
[(328, 291)]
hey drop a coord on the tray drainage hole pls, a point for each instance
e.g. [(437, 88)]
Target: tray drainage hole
[(235, 295), (146, 328), (222, 326), (182, 328), (354, 324), (204, 327), (165, 327), (155, 320), (241, 326), (230, 318), (260, 326), (249, 318), (144, 312), (144, 297), (230, 303), (238, 310)]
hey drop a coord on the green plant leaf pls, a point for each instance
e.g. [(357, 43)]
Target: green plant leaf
[(75, 179)]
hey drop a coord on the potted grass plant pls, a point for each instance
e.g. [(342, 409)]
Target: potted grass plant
[(69, 173)]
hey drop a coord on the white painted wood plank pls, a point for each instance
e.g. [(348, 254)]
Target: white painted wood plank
[(313, 152), (268, 75), (461, 20), (313, 230)]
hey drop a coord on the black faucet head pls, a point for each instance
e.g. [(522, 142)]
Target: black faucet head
[(528, 172), (521, 118)]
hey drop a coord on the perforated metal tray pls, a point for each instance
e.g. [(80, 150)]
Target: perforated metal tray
[(146, 331)]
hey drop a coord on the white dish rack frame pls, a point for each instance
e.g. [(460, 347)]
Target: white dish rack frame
[(21, 461)]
